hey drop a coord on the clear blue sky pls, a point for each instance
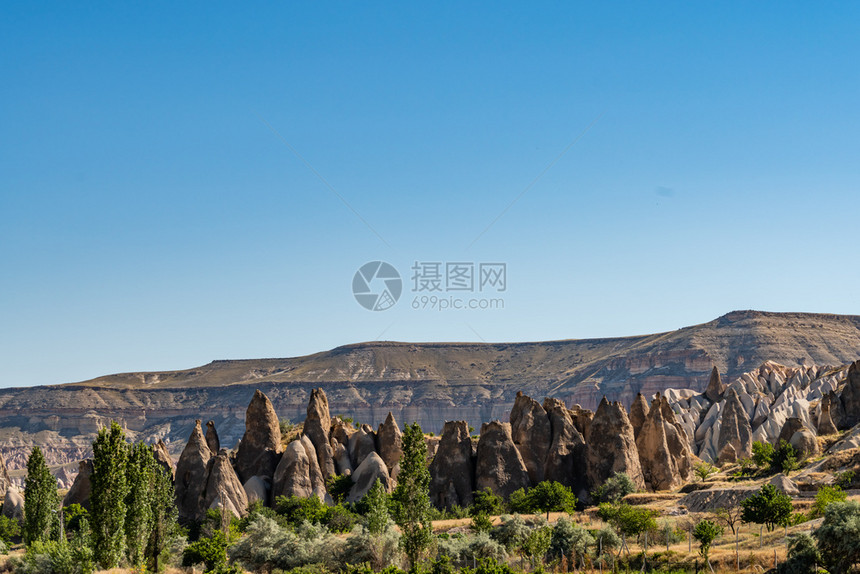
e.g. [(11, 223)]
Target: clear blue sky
[(150, 219)]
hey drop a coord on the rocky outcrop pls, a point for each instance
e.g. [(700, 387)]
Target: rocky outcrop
[(785, 485), (735, 428), (791, 426), (850, 397), (532, 433), (664, 451), (499, 465), (805, 443), (163, 458), (257, 490), (316, 428), (293, 475), (712, 499), (223, 488), (13, 504), (715, 389), (5, 482), (638, 412), (826, 426), (212, 437), (361, 444), (190, 480), (371, 469), (259, 450), (566, 457), (452, 470), (82, 488), (389, 443), (612, 445)]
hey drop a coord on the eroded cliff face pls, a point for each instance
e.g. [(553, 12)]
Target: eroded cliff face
[(428, 383)]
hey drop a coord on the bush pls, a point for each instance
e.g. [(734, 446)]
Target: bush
[(571, 540), (72, 515), (211, 552), (377, 550), (267, 545), (297, 510), (802, 555), (838, 537), (489, 566), (519, 502), (469, 548), (481, 523), (9, 529), (826, 496), (706, 532), (51, 557), (785, 458), (486, 502), (762, 454), (614, 489), (338, 486), (512, 532)]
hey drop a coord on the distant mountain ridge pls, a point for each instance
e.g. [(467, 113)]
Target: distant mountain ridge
[(428, 382)]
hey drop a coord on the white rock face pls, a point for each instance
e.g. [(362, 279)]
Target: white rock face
[(769, 396)]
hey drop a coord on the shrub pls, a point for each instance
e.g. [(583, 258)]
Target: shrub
[(267, 545), (486, 502), (838, 536), (802, 555), (614, 489), (519, 502), (52, 557), (762, 454), (9, 529), (844, 479), (211, 552), (379, 550), (571, 540), (338, 486), (72, 515), (489, 566), (512, 532), (826, 496), (469, 548), (481, 523), (784, 458), (297, 510)]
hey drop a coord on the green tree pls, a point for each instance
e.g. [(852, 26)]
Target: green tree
[(481, 523), (40, 499), (412, 494), (706, 532), (785, 458), (109, 490), (704, 470), (762, 453), (536, 543), (377, 516), (138, 503), (614, 489), (768, 506), (549, 497), (520, 502), (838, 537), (486, 502), (628, 520), (826, 496), (165, 516), (803, 556), (9, 529)]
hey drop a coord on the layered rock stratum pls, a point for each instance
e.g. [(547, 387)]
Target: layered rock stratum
[(427, 382)]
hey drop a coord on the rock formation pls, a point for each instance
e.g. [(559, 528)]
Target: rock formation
[(13, 504), (163, 458), (664, 451), (850, 397), (212, 437), (826, 426), (638, 411), (714, 391), (317, 427), (735, 428), (389, 443), (805, 443), (257, 490), (5, 483), (532, 433), (190, 480), (612, 446), (293, 475), (371, 469), (82, 488), (223, 489), (260, 447), (452, 470), (566, 457), (361, 444), (499, 465)]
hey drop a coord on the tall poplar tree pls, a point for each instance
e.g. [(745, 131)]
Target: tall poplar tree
[(110, 488), (40, 499)]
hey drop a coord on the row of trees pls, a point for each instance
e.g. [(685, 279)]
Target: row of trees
[(133, 513)]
